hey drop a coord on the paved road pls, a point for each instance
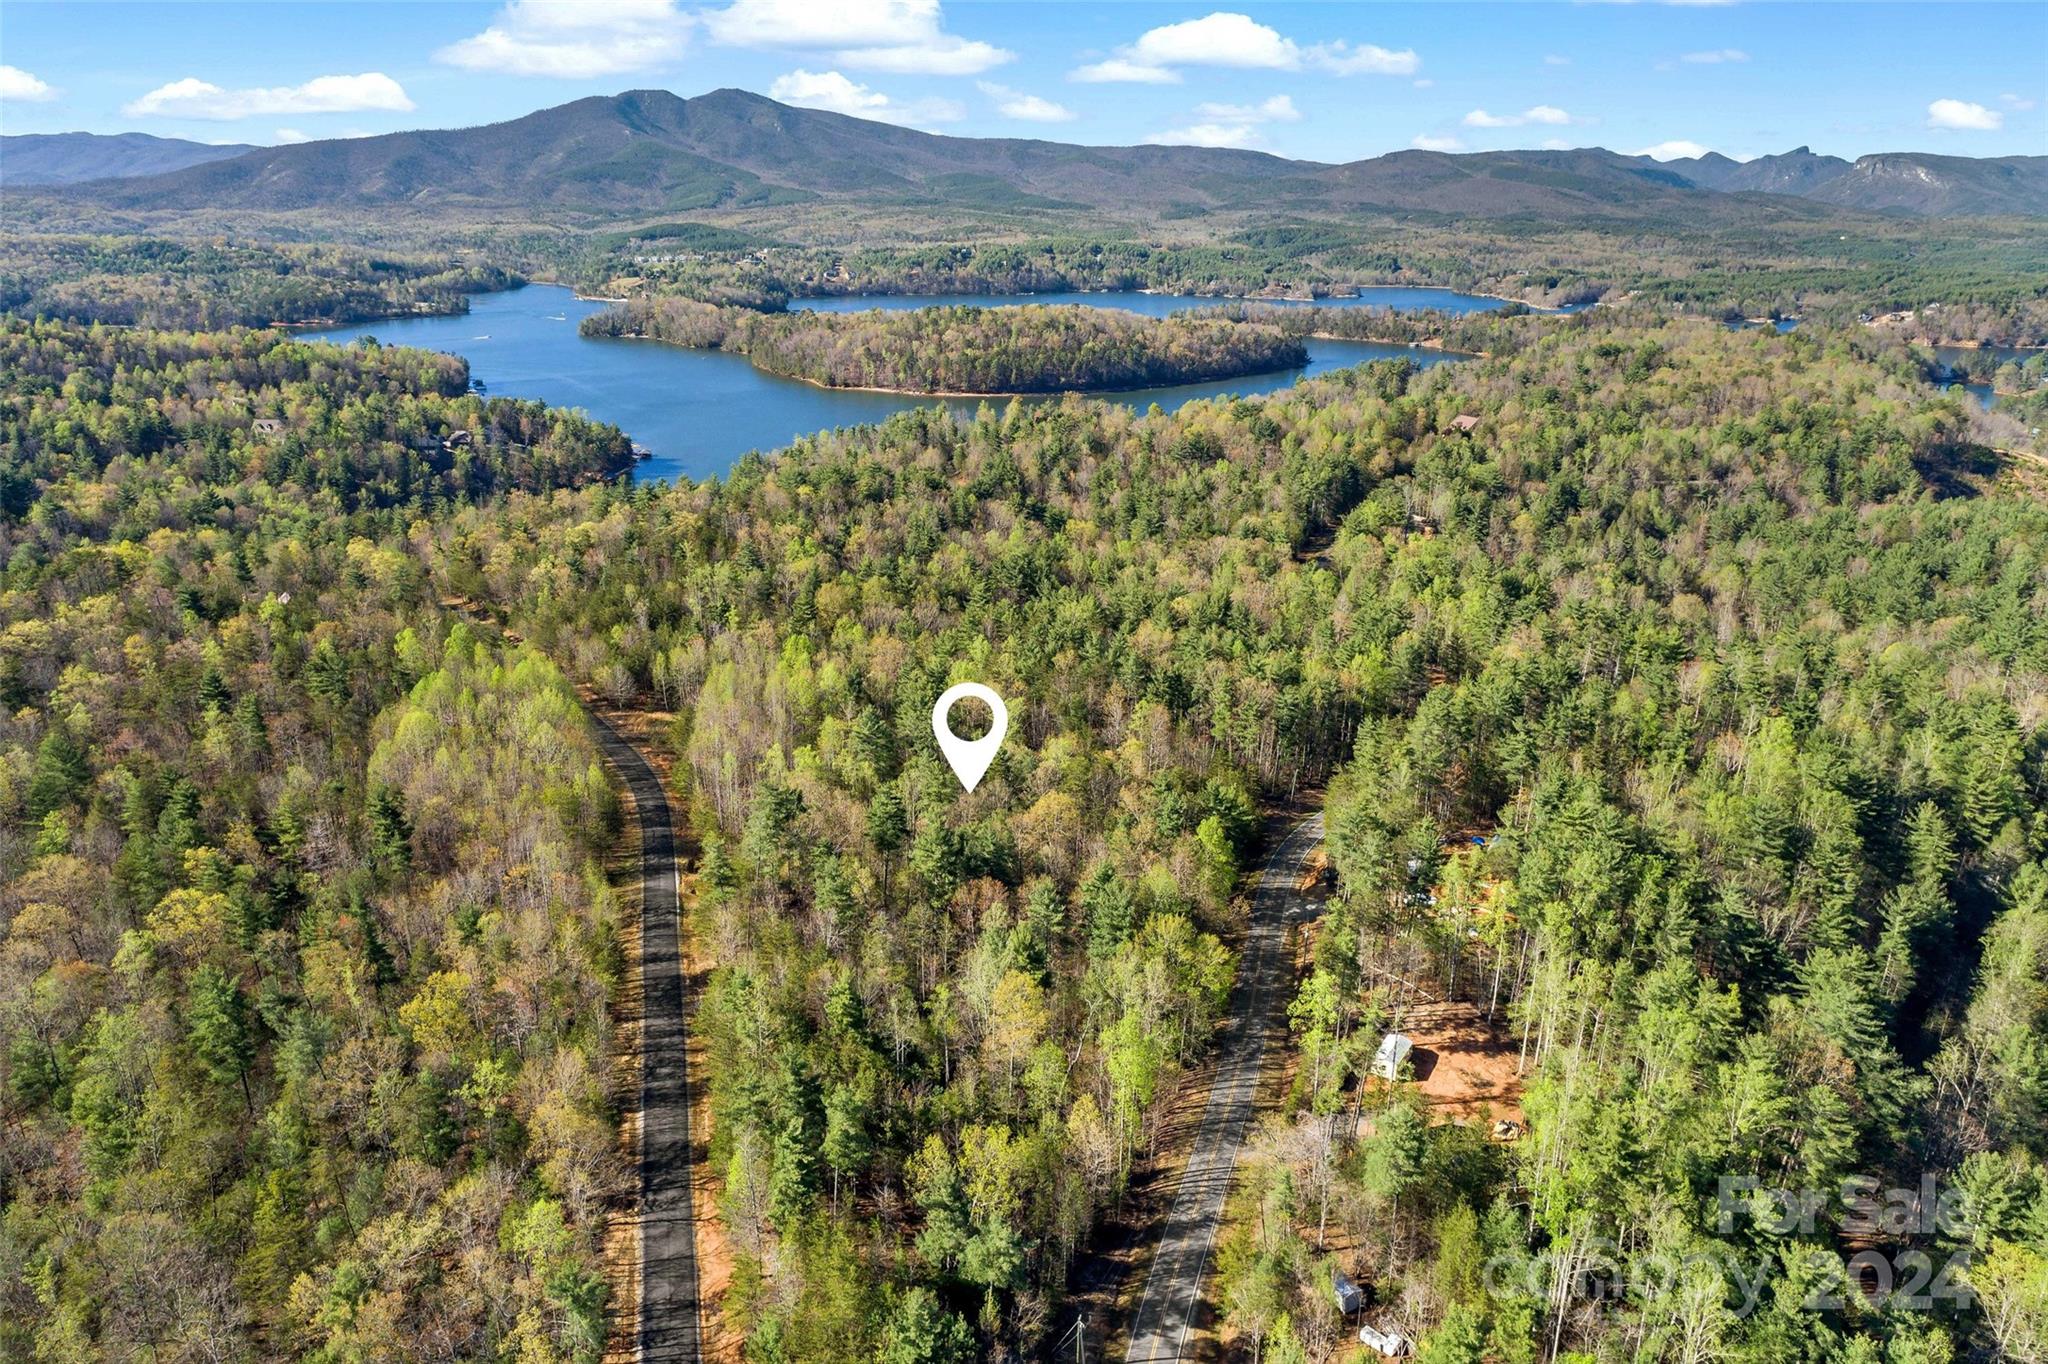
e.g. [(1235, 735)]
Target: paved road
[(1258, 1012), (669, 1327)]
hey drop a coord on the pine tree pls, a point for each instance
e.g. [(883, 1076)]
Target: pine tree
[(846, 1139), (327, 674), (918, 1330), (888, 824), (390, 831), (61, 773), (217, 1023), (1107, 904)]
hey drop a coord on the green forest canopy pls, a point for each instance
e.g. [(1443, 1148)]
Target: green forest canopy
[(1032, 349), (1732, 642)]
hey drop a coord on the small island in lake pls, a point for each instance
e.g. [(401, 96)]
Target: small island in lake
[(955, 350)]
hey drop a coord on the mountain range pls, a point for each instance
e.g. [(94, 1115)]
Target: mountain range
[(69, 158), (649, 151)]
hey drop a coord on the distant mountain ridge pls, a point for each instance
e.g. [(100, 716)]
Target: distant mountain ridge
[(71, 158), (1941, 186), (649, 151), (1921, 183), (1795, 172)]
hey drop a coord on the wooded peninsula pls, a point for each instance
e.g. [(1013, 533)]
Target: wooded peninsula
[(964, 349)]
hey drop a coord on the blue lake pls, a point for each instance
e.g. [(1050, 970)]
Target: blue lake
[(699, 411)]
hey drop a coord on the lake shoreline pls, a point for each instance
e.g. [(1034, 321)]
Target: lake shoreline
[(698, 412)]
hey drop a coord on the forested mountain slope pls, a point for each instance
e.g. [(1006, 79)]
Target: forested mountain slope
[(1917, 182), (1733, 641), (647, 151)]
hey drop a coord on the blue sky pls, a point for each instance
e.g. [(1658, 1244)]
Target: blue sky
[(1328, 82)]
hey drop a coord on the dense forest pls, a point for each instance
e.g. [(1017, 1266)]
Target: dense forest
[(305, 969), (1729, 645), (964, 350), (203, 284), (1725, 642)]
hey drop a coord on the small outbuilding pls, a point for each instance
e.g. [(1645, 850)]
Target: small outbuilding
[(1393, 1053), (1465, 422), (1350, 1297), (1387, 1342), (266, 426)]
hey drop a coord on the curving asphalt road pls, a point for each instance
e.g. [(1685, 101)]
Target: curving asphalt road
[(669, 1329), (1172, 1297)]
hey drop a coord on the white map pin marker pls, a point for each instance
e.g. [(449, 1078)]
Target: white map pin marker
[(969, 758)]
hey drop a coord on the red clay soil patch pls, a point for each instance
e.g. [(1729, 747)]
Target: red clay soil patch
[(1464, 1068)]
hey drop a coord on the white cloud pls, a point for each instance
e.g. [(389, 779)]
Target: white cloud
[(1209, 135), (1537, 113), (1552, 59), (2012, 101), (834, 92), (1278, 109), (1555, 144), (18, 84), (944, 55), (1676, 150), (1342, 59), (1240, 42), (1231, 125), (194, 98), (288, 137), (1716, 57), (1218, 39), (1030, 108), (1431, 143), (900, 36), (805, 23), (1423, 84), (1118, 69), (574, 41), (1959, 113)]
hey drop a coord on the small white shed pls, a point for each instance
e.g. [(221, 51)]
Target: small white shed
[(1394, 1049), (1390, 1344)]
